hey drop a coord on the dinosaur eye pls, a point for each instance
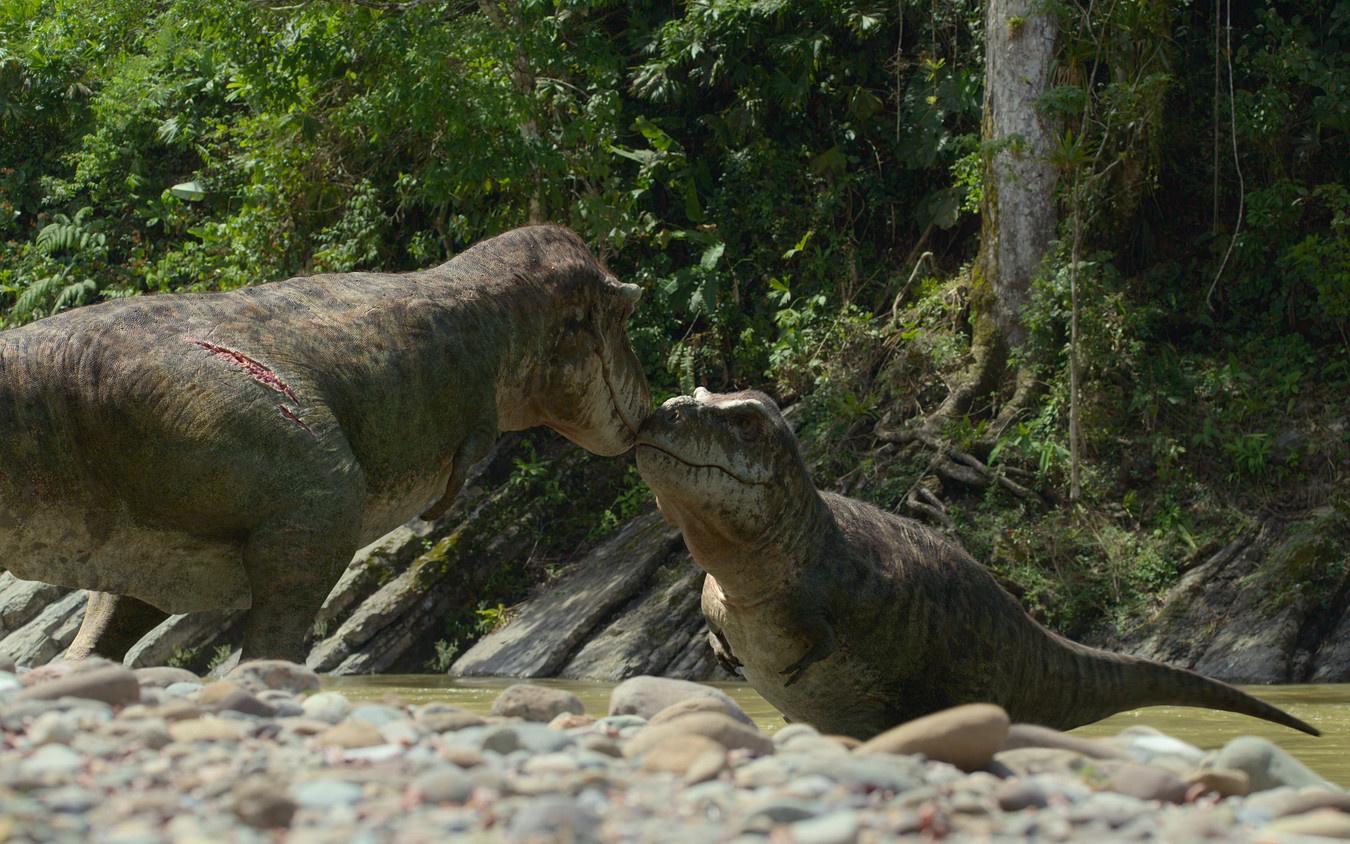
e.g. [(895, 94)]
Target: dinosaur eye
[(747, 427)]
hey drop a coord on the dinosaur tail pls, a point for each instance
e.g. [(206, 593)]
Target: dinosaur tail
[(1097, 684)]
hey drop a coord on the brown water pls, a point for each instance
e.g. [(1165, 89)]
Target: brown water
[(1326, 707)]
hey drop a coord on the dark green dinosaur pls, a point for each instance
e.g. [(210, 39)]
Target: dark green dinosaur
[(854, 619)]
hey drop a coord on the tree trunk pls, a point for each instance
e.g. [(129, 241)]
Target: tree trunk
[(1018, 208), (523, 81)]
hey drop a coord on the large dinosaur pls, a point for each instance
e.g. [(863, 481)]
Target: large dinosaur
[(234, 449), (854, 619)]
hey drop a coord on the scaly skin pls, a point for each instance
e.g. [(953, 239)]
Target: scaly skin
[(235, 449), (854, 619)]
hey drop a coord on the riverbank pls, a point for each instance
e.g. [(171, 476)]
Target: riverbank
[(95, 751)]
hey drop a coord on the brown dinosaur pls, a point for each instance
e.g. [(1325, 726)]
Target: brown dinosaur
[(234, 449), (853, 619)]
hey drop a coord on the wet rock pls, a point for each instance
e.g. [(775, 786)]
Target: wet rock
[(161, 676), (1265, 764), (259, 674), (723, 729), (535, 703), (646, 697), (965, 736), (111, 684), (350, 734), (1145, 782), (446, 784), (330, 707), (262, 803)]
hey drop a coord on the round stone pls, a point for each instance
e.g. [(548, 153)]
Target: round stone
[(723, 729), (645, 696), (965, 736), (331, 707), (536, 703), (350, 734), (258, 674), (262, 803), (676, 753), (446, 784)]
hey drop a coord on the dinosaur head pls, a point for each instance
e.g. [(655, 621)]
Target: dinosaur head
[(579, 375), (726, 468)]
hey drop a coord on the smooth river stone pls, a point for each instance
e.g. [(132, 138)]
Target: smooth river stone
[(645, 696), (702, 703), (1034, 735), (258, 674), (677, 754), (965, 736), (331, 707), (1265, 764), (723, 729), (162, 676), (112, 684), (349, 735), (224, 695), (444, 718), (262, 803), (1222, 782), (1322, 823), (535, 703), (1146, 782)]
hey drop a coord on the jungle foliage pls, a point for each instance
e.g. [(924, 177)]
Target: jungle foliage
[(796, 186)]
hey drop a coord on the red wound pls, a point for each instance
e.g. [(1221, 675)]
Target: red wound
[(257, 371)]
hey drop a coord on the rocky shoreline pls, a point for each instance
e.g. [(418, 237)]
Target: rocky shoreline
[(96, 752)]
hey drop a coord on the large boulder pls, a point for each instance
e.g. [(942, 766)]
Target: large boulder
[(546, 630)]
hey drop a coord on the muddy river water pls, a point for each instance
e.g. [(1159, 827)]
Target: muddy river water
[(1326, 707)]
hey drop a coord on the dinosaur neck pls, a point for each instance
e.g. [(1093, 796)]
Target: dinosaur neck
[(750, 571)]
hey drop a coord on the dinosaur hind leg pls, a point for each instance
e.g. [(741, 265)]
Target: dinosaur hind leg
[(112, 624)]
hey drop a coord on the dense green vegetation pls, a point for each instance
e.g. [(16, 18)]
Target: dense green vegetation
[(797, 186)]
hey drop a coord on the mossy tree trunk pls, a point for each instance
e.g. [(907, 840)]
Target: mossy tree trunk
[(1018, 209)]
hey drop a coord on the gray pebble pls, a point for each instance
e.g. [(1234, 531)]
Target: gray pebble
[(325, 794), (329, 707), (446, 784), (833, 828)]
